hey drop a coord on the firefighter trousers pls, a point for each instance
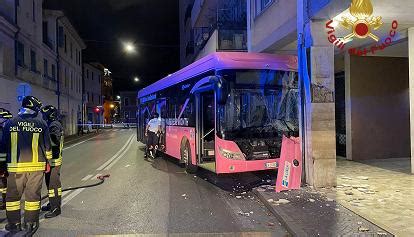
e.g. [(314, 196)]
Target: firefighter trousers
[(29, 183), (3, 189), (54, 187)]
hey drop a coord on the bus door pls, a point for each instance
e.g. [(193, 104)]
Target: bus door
[(205, 126)]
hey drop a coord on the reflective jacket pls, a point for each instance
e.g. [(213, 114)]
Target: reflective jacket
[(27, 144), (56, 139), (3, 152)]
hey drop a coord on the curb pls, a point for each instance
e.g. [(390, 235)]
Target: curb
[(290, 225)]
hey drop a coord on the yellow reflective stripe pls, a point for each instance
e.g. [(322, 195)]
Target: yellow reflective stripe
[(14, 147), (3, 155), (49, 155), (59, 191), (3, 190), (26, 164), (35, 147), (26, 167), (3, 159), (13, 206), (55, 162), (51, 193), (20, 170), (31, 206), (61, 147)]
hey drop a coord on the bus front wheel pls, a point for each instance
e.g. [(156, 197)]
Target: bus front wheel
[(186, 159)]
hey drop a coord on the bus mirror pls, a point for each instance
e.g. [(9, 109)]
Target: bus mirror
[(221, 88)]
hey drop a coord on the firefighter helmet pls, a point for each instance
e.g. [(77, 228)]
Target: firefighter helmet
[(31, 102), (50, 113)]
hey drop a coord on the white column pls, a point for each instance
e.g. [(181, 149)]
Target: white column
[(411, 88)]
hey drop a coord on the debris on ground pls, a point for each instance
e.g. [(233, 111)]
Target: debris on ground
[(261, 189), (329, 200), (282, 201), (270, 224), (363, 229), (270, 200), (363, 177), (238, 197), (311, 200), (127, 166)]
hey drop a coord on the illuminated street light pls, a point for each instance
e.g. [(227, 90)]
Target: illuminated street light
[(118, 97), (136, 79), (129, 47), (112, 106)]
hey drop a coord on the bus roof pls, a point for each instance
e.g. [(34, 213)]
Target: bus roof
[(224, 60)]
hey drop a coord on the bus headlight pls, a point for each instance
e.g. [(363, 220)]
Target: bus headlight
[(230, 154)]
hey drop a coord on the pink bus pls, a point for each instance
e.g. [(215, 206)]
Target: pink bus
[(226, 112)]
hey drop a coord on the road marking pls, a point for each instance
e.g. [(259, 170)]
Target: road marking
[(119, 157), (116, 155), (71, 196), (77, 144), (87, 177)]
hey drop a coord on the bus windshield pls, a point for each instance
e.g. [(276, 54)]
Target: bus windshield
[(261, 104)]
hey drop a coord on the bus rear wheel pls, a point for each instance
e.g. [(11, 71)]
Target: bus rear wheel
[(186, 159)]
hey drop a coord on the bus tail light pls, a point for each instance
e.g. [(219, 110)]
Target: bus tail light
[(231, 155)]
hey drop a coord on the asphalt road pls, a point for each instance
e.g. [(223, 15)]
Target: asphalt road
[(148, 198)]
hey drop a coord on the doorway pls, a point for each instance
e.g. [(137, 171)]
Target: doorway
[(206, 127)]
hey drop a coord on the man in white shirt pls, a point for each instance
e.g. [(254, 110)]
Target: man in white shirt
[(152, 132)]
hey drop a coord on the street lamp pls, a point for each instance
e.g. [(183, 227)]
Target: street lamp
[(118, 97), (129, 47), (136, 79)]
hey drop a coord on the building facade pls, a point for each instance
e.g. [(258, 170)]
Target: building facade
[(33, 60), (92, 93), (108, 96), (69, 68), (26, 57), (211, 26), (128, 106)]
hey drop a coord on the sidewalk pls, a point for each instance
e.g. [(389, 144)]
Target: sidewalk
[(307, 212)]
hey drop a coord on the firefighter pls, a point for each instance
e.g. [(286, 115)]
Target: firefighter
[(4, 116), (54, 186), (27, 142), (152, 132)]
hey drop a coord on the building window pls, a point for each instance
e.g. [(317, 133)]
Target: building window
[(34, 10), (71, 80), (262, 5), (53, 72), (60, 36), (45, 32), (66, 46), (20, 54), (126, 101), (45, 67), (33, 62)]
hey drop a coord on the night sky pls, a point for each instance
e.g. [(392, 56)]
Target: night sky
[(105, 24)]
